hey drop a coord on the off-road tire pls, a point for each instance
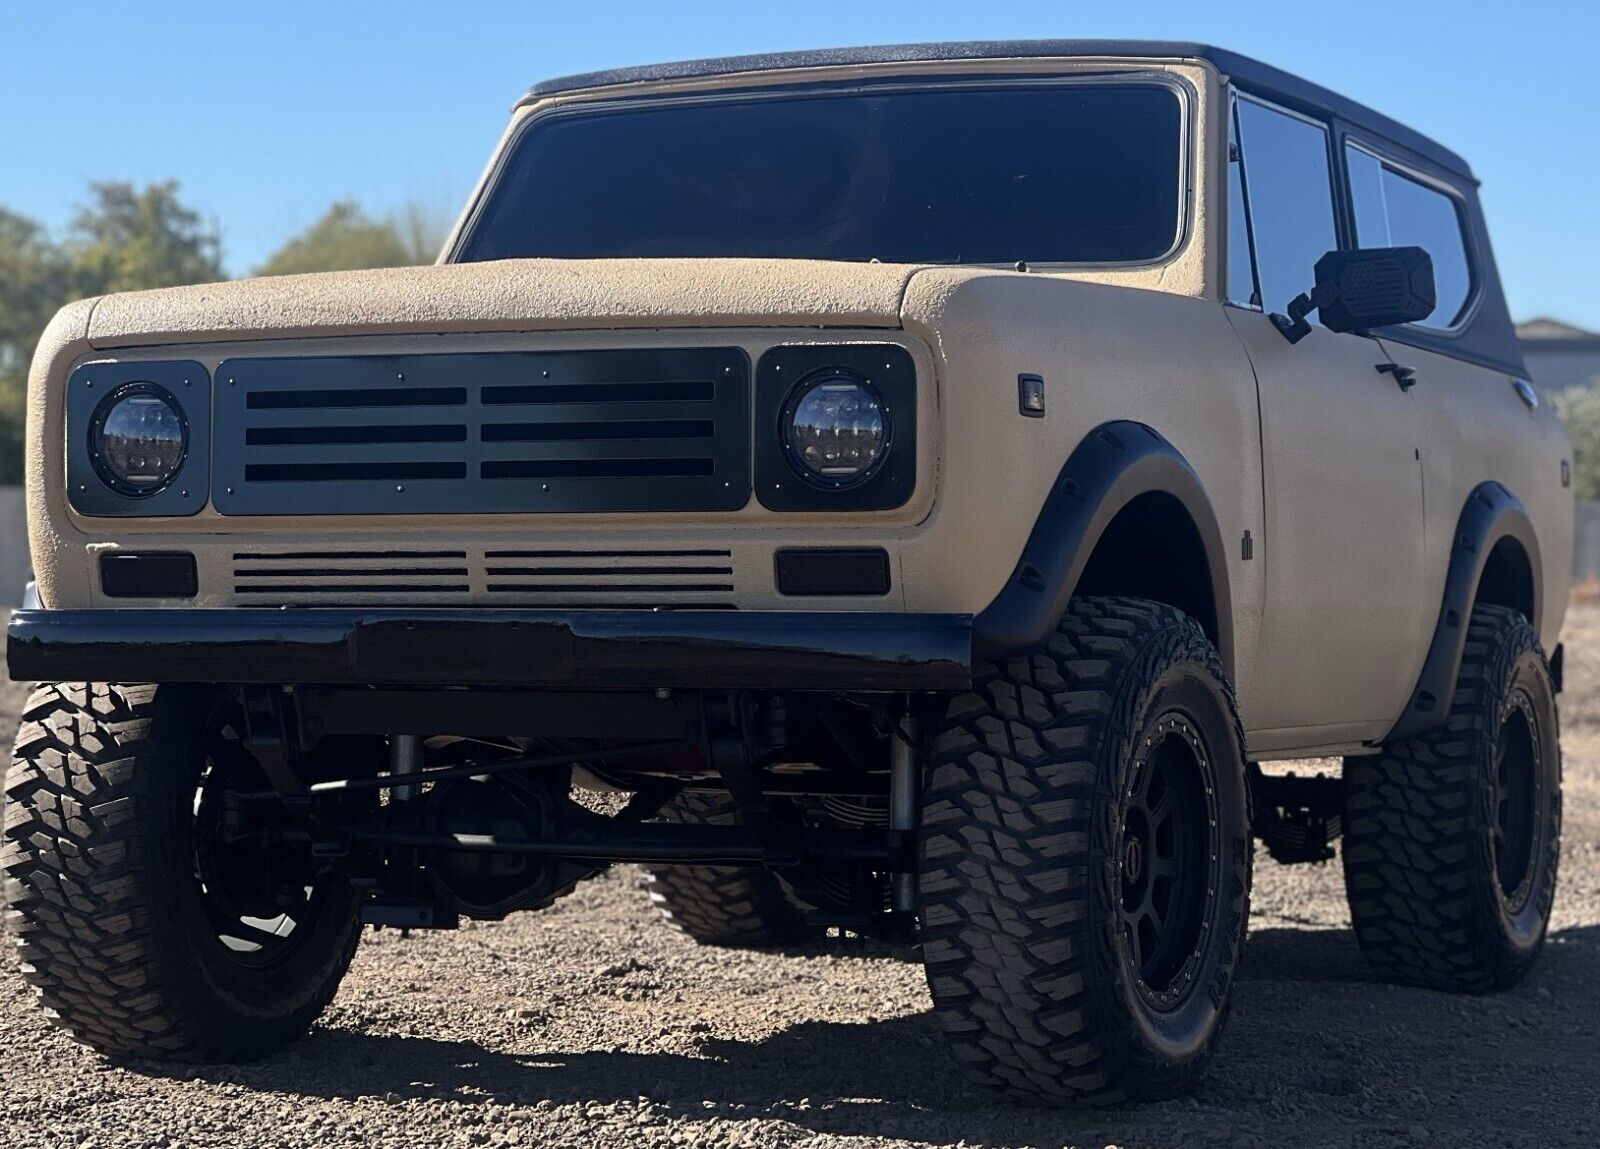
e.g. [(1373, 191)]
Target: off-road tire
[(1022, 870), (102, 901), (741, 907), (1420, 858)]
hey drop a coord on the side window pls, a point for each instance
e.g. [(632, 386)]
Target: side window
[(1241, 270), (1394, 210), (1290, 194)]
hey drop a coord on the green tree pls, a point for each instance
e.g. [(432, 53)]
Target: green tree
[(35, 279), (1579, 408), (123, 239), (423, 228), (128, 238), (347, 238)]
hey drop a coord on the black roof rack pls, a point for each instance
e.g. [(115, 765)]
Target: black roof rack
[(1264, 79)]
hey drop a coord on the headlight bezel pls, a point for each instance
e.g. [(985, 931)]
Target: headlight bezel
[(103, 411), (90, 388), (782, 375)]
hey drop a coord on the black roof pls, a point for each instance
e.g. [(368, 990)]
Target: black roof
[(1263, 78)]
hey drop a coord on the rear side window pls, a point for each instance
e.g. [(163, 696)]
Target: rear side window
[(1290, 193), (1394, 210)]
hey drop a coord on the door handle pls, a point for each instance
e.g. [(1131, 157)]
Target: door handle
[(1405, 376)]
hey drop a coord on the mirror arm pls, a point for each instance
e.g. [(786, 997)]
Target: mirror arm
[(1294, 326)]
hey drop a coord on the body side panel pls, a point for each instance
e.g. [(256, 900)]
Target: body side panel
[(1476, 429), (1344, 634), (1106, 354)]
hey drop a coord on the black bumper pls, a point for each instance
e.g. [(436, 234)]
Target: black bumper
[(595, 649)]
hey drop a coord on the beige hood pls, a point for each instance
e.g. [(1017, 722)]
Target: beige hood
[(511, 295)]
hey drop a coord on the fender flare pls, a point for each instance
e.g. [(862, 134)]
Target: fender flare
[(1491, 513), (1114, 464)]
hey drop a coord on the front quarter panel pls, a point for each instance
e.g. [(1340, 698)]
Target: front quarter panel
[(1106, 353), (64, 341)]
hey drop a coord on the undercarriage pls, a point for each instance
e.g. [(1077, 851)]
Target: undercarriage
[(449, 823)]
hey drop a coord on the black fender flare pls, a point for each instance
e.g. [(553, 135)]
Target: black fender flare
[(1114, 464), (1492, 513)]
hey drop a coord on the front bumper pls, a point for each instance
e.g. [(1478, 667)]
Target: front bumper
[(584, 649)]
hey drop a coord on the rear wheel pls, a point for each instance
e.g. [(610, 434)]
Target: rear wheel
[(744, 907), (158, 915), (1085, 860), (1452, 838)]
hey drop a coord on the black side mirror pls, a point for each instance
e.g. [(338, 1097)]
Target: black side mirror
[(1360, 290)]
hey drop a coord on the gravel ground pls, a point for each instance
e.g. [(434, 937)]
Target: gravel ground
[(594, 1025)]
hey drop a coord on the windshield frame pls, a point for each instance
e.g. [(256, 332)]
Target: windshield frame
[(599, 103)]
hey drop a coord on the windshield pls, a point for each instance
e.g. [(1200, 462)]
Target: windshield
[(1047, 173)]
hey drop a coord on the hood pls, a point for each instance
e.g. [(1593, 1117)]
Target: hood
[(510, 295)]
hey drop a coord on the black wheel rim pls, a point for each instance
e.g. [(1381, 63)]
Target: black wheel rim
[(258, 883), (1516, 826), (1167, 861)]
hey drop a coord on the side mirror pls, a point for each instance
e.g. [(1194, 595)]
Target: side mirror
[(1360, 290)]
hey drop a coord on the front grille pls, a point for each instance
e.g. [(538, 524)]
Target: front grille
[(647, 430), (589, 577), (625, 578), (271, 578)]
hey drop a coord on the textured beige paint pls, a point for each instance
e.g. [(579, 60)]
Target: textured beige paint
[(1105, 353), (1345, 626), (60, 567), (1475, 428), (510, 295)]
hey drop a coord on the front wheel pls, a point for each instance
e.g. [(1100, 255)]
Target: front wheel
[(157, 913), (1085, 860)]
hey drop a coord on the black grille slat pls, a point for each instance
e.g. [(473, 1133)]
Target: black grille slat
[(350, 472), (596, 468), (289, 589), (667, 391), (363, 556), (494, 432), (621, 588), (347, 572), (562, 431), (610, 571), (372, 433), (607, 554), (358, 397)]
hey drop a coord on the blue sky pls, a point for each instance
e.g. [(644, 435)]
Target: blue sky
[(268, 112)]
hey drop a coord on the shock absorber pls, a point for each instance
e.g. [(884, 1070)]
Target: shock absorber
[(905, 798), (405, 757)]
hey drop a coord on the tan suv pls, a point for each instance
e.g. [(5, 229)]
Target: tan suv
[(926, 481)]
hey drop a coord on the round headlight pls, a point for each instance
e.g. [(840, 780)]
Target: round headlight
[(836, 429), (138, 439)]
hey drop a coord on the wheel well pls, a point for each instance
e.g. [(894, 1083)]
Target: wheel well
[(1507, 578), (1152, 549)]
